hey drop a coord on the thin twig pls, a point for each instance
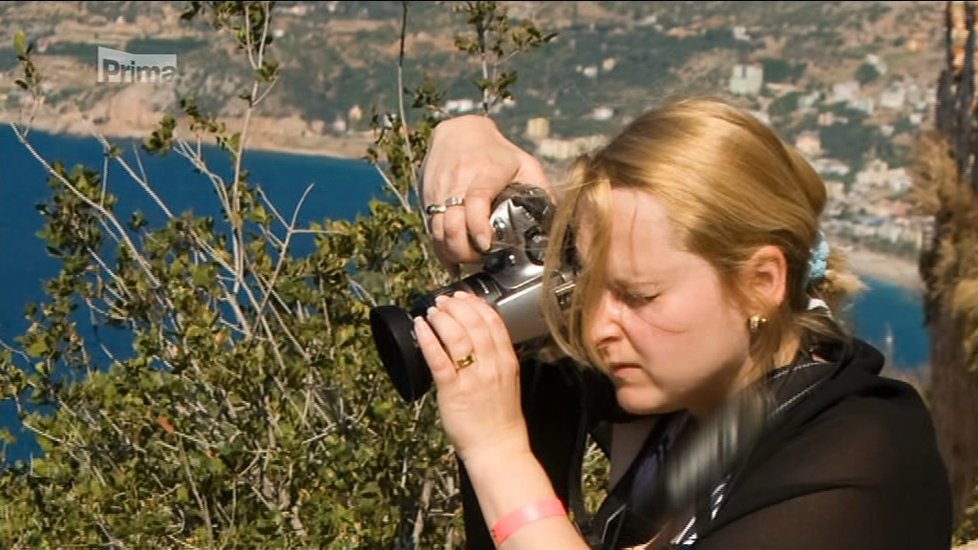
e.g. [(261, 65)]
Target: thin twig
[(139, 163), (406, 134), (92, 204), (271, 206), (248, 45), (200, 501), (41, 432), (105, 531), (283, 254), (14, 350)]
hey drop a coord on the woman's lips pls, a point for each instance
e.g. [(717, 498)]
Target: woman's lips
[(621, 369)]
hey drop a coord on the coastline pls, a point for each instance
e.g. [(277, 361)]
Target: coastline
[(869, 263), (266, 134)]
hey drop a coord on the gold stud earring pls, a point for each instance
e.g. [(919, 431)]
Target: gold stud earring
[(755, 322)]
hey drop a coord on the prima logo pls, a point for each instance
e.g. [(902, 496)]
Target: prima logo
[(120, 66)]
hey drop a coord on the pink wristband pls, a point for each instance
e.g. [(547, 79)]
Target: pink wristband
[(515, 520)]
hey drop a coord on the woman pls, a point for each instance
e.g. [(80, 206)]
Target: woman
[(705, 293)]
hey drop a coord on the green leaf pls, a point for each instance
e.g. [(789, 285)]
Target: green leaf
[(138, 221), (20, 43), (234, 142), (38, 348), (203, 275), (259, 215)]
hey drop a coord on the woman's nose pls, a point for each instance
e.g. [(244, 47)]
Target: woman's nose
[(606, 321)]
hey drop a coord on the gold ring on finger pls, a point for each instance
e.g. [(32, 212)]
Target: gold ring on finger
[(464, 361), (454, 201)]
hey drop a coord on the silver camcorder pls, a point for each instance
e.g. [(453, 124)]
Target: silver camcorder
[(511, 281)]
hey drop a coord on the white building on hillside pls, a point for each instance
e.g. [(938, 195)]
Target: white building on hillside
[(746, 79)]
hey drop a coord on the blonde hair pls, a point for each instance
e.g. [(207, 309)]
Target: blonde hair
[(730, 186)]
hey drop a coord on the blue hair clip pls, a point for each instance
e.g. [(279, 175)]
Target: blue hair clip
[(818, 261)]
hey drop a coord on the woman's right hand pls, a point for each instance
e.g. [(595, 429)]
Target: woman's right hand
[(470, 158), (476, 375)]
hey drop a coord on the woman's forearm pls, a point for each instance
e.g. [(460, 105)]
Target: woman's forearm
[(508, 483)]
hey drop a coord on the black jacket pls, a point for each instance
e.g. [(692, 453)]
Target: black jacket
[(853, 465), (850, 463)]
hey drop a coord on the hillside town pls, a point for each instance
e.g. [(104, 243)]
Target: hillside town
[(855, 119), (869, 200)]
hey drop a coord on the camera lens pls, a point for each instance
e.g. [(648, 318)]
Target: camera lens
[(397, 345), (394, 337)]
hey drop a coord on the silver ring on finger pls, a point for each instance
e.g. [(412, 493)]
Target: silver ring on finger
[(454, 201), (433, 209)]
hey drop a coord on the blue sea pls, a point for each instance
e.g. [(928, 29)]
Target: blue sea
[(341, 189)]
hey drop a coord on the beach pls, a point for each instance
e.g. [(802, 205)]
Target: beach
[(896, 270), (290, 135)]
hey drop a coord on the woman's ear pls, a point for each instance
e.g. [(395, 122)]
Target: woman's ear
[(766, 277)]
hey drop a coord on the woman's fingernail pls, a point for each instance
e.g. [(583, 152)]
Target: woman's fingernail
[(431, 310), (483, 241), (421, 328), (440, 298), (461, 294)]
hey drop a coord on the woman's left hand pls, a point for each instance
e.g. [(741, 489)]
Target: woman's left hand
[(476, 374)]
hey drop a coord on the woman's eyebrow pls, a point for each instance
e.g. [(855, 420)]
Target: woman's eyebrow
[(628, 284)]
